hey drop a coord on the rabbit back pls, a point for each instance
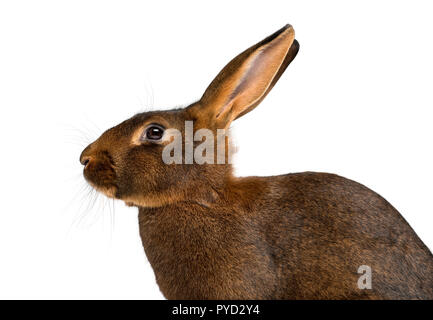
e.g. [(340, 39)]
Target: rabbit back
[(329, 226)]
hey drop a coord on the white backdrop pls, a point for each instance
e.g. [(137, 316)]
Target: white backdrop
[(357, 101)]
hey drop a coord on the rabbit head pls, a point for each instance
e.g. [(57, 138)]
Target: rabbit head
[(127, 161)]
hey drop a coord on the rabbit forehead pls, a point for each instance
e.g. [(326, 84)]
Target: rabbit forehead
[(174, 118)]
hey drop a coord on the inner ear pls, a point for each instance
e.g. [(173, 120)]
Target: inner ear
[(260, 70), (245, 81), (293, 51)]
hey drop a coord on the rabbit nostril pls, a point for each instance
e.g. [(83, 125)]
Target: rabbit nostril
[(85, 161)]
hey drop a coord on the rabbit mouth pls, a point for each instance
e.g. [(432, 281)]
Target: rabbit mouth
[(101, 184)]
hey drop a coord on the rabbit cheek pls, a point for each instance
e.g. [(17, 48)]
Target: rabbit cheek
[(144, 180)]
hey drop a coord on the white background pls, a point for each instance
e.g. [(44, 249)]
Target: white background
[(357, 101)]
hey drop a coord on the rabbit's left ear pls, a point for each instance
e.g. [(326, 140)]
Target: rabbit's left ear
[(247, 79)]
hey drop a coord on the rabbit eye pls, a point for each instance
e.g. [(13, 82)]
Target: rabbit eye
[(154, 132)]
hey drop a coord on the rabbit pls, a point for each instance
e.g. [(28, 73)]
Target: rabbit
[(211, 235)]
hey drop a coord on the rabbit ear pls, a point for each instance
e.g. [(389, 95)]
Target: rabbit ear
[(247, 79)]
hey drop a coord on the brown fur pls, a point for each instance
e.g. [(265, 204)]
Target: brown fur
[(210, 235)]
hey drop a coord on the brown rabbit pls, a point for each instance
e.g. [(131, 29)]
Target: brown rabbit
[(211, 235)]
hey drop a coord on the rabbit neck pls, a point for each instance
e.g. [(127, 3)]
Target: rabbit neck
[(203, 187), (183, 240)]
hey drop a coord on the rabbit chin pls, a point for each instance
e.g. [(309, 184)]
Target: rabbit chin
[(150, 201), (110, 192), (139, 201)]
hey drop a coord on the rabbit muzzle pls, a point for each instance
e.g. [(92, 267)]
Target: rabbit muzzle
[(99, 171)]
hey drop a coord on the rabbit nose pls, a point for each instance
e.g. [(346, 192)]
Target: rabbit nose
[(84, 157)]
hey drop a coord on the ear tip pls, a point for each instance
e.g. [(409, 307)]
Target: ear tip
[(288, 28), (285, 32), (295, 45)]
